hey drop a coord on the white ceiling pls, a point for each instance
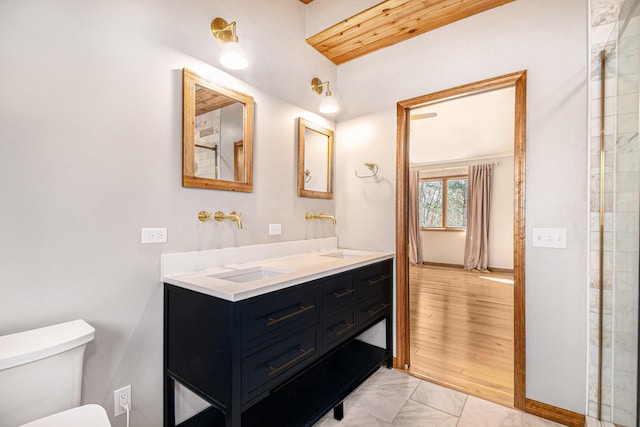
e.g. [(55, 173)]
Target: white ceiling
[(469, 127)]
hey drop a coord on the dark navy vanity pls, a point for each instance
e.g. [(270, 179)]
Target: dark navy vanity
[(282, 358)]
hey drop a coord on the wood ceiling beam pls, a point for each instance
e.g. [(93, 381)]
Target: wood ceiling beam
[(390, 22)]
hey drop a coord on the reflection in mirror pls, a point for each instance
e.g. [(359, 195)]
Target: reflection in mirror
[(217, 136), (315, 146)]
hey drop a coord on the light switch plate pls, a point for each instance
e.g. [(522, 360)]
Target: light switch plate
[(550, 237)]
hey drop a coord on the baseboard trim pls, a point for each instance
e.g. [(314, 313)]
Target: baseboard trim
[(442, 264), (553, 413)]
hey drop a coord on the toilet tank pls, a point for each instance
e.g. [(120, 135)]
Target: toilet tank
[(41, 371)]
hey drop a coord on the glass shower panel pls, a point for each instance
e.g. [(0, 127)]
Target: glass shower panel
[(626, 219)]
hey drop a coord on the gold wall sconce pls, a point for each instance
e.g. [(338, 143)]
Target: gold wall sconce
[(232, 55), (328, 104)]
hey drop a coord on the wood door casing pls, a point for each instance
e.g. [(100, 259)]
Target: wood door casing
[(519, 81)]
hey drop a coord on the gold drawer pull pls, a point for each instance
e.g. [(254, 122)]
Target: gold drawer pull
[(346, 327), (271, 321), (302, 355), (374, 312), (344, 293), (378, 279)]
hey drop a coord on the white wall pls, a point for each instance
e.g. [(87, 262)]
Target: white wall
[(548, 39), (501, 220), (90, 152)]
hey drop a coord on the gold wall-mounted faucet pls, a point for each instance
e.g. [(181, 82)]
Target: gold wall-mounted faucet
[(219, 216), (309, 216)]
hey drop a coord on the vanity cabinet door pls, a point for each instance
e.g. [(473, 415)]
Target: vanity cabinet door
[(338, 293), (269, 316), (338, 327), (266, 368)]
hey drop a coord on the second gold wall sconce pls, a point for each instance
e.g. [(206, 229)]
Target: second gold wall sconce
[(328, 104)]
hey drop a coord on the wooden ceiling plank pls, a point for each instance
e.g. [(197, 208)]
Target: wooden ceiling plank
[(407, 28), (405, 18), (364, 19), (208, 100), (391, 22)]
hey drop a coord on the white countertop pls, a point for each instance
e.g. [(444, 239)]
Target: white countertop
[(300, 268)]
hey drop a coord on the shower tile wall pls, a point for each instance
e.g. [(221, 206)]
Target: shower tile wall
[(621, 210), (626, 218), (207, 134)]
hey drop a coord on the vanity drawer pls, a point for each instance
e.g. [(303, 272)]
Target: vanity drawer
[(338, 328), (338, 293), (374, 278), (373, 308), (277, 362), (283, 311)]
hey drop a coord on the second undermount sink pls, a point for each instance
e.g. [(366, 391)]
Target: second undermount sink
[(250, 274), (344, 254)]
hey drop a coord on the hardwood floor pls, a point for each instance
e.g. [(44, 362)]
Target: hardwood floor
[(461, 330)]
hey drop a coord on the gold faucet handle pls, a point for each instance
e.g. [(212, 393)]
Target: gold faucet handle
[(204, 216)]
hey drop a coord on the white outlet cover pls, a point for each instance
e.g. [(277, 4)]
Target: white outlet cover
[(275, 229), (153, 235), (117, 410)]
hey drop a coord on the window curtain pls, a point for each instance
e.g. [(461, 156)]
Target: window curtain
[(476, 248), (415, 248)]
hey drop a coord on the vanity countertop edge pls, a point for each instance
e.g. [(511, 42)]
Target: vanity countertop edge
[(305, 267)]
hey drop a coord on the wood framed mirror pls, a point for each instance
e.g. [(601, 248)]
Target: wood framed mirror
[(217, 135), (315, 158)]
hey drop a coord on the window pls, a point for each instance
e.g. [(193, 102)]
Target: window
[(443, 203)]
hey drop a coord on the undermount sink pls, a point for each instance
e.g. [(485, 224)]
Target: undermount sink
[(343, 255), (250, 274)]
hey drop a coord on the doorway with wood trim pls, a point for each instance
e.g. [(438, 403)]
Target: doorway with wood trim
[(403, 351)]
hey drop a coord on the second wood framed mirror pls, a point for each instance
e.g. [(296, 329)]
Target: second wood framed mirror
[(217, 135), (315, 158)]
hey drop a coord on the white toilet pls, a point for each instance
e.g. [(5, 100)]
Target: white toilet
[(41, 378)]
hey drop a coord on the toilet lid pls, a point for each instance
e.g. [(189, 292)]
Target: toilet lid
[(82, 416)]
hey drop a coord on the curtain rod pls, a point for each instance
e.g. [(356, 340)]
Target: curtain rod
[(456, 164), (455, 167)]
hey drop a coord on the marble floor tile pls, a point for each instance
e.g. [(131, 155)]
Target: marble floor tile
[(481, 413), (414, 414), (353, 417), (393, 399), (384, 394), (441, 398)]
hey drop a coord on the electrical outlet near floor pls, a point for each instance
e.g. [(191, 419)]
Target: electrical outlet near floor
[(121, 397)]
